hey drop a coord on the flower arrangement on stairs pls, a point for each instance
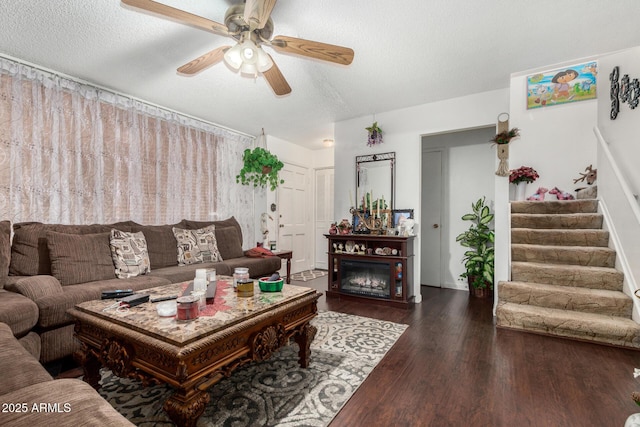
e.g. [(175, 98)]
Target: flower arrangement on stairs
[(521, 177)]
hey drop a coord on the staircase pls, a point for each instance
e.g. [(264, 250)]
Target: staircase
[(563, 276)]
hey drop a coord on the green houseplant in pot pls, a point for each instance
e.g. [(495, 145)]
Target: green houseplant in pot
[(260, 168), (479, 259)]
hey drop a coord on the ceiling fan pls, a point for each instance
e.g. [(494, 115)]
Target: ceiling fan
[(251, 26)]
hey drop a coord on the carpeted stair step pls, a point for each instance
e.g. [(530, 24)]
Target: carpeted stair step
[(567, 275), (560, 237), (555, 206), (575, 255), (573, 221), (599, 301), (569, 324)]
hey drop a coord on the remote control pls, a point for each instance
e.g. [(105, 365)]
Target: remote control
[(133, 300), (118, 293), (158, 299)]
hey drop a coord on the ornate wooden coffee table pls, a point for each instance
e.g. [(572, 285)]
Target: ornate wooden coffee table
[(192, 356)]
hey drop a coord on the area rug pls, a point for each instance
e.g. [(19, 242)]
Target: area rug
[(303, 276), (276, 392)]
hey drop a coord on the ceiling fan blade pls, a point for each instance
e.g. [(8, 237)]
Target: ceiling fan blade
[(204, 61), (316, 50), (257, 12), (276, 80), (179, 15)]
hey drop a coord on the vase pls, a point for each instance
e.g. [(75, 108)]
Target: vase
[(521, 191)]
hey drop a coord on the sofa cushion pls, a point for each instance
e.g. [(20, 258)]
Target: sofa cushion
[(161, 244), (79, 405), (5, 250), (17, 311), (53, 308), (229, 222), (19, 368), (129, 253), (79, 258), (29, 250), (197, 246), (258, 267), (183, 273), (229, 242), (35, 287)]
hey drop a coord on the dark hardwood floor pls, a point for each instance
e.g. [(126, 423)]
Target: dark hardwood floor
[(452, 367)]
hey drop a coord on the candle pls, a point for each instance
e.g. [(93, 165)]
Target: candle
[(379, 203), (371, 203)]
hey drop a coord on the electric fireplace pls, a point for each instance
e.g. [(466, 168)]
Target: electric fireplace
[(365, 277)]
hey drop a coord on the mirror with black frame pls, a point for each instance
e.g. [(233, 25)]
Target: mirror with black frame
[(375, 181)]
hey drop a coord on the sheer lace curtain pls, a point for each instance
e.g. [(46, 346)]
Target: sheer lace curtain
[(72, 153)]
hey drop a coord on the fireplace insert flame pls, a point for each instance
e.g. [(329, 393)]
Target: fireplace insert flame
[(368, 278)]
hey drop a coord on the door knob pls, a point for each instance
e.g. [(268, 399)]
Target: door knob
[(435, 226)]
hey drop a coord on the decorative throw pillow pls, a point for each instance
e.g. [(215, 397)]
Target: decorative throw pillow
[(196, 246), (129, 253)]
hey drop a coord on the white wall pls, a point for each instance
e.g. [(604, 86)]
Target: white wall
[(467, 183), (557, 141), (619, 175), (402, 131)]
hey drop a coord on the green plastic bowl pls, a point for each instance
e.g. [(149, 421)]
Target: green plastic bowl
[(267, 285)]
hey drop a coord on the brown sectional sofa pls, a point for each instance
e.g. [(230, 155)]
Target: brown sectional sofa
[(51, 267), (29, 396)]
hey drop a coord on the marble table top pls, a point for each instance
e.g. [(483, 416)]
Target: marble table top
[(227, 309)]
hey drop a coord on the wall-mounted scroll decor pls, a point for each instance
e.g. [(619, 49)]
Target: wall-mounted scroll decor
[(622, 90)]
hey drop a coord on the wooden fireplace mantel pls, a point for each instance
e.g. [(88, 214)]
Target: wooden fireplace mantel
[(393, 253)]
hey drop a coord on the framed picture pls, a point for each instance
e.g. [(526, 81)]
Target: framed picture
[(561, 86), (399, 215)]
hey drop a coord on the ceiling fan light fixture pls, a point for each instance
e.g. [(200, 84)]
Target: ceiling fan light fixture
[(249, 69), (233, 57), (264, 61)]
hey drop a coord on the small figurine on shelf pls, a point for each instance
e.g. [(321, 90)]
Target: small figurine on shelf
[(560, 194), (344, 226), (333, 229), (538, 195)]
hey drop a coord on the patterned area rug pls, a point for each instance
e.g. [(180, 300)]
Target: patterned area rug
[(303, 276), (276, 392)]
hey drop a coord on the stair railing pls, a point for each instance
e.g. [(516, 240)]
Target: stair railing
[(621, 212)]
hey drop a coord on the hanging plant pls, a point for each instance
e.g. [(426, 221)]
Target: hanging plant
[(506, 136), (502, 140), (375, 134), (260, 168)]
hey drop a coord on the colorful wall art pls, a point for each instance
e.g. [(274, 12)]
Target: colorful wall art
[(561, 86)]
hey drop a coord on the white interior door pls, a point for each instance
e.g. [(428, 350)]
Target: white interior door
[(431, 227), (324, 214), (295, 216)]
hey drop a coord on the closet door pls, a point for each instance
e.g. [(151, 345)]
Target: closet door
[(323, 214)]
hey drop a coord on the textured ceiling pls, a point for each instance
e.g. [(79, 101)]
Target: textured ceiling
[(407, 53)]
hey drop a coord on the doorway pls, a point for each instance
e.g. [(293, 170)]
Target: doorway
[(324, 214), (457, 168), (294, 222)]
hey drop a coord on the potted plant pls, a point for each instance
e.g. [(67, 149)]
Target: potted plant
[(502, 140), (521, 177), (479, 259), (260, 168), (375, 134)]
